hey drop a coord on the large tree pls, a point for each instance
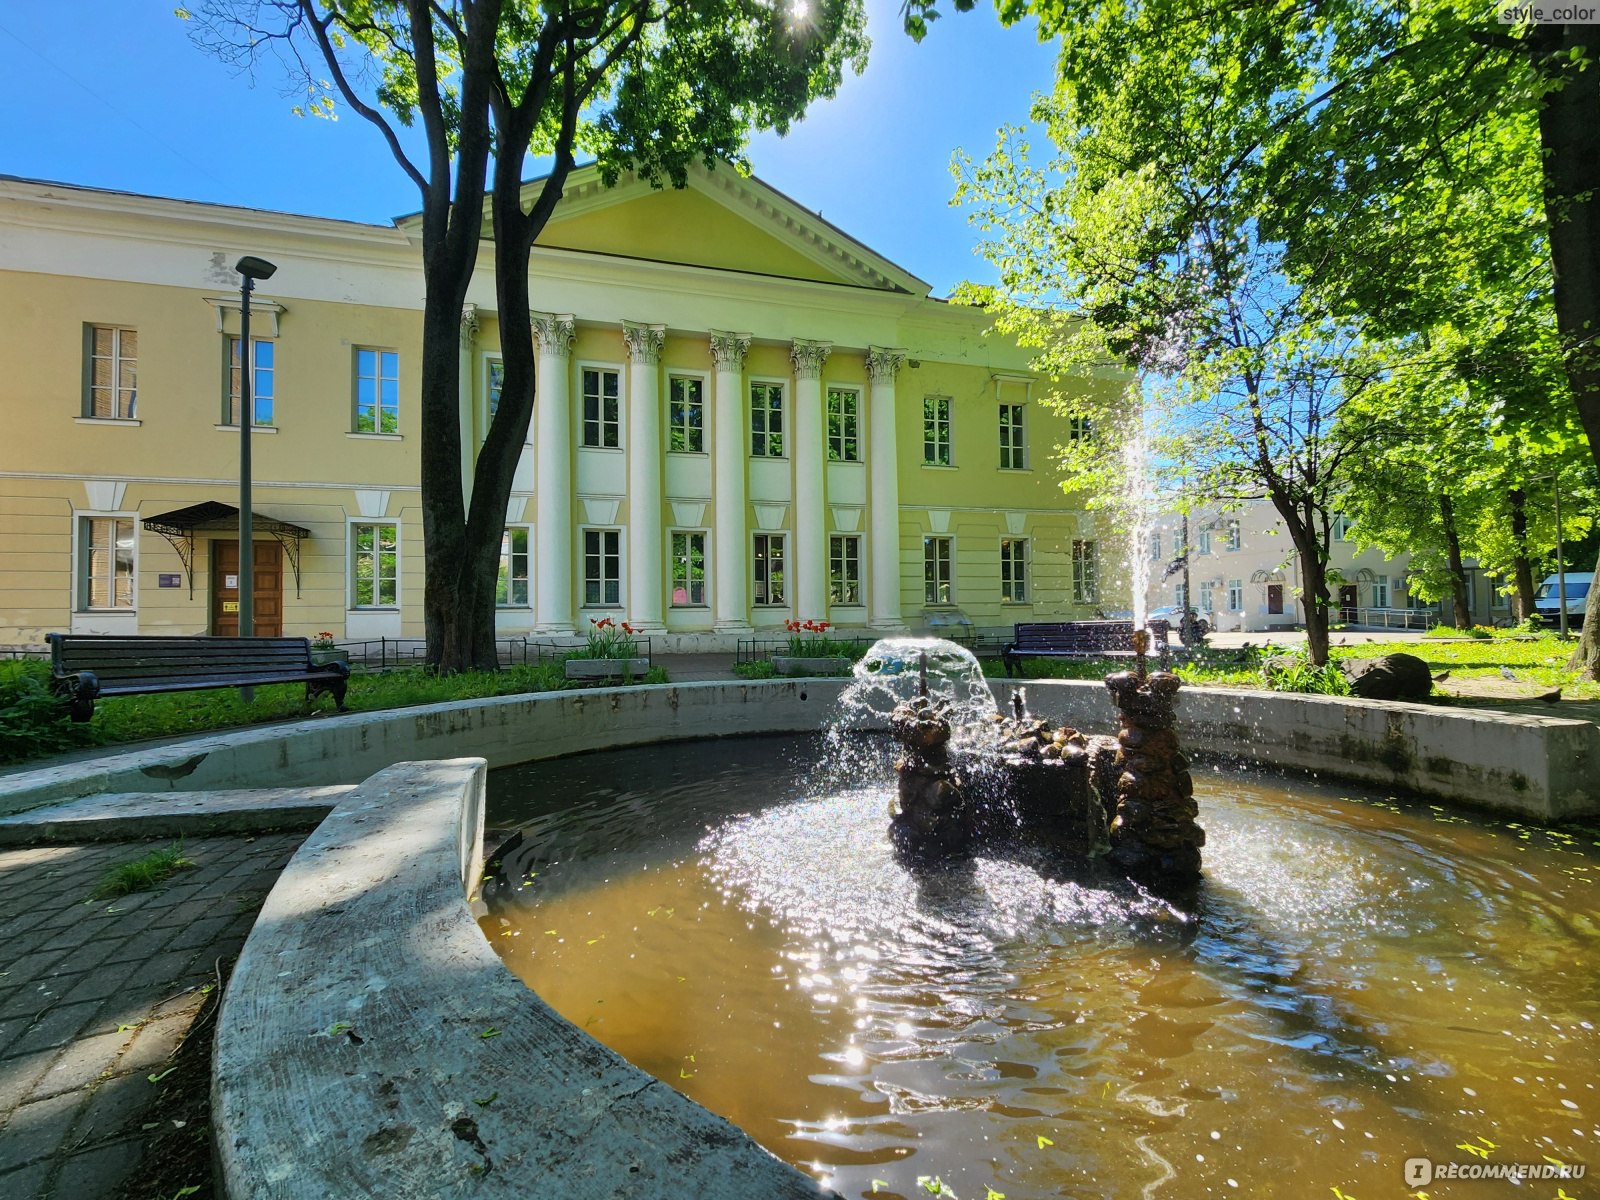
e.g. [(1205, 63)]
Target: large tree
[(1362, 114), (647, 86)]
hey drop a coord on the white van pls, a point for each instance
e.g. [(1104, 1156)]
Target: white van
[(1547, 600)]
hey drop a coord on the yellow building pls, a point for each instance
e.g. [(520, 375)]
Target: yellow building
[(742, 416)]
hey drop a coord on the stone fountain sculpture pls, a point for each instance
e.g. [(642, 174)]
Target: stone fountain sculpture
[(1020, 779)]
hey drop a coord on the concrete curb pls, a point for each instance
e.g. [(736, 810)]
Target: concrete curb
[(120, 816), (1547, 768), (371, 1043)]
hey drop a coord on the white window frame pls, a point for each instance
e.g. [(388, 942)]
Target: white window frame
[(705, 569), (1204, 546), (583, 566), (117, 358), (1235, 595), (782, 537), (845, 539), (1014, 572), (949, 582), (1208, 596), (351, 525), (785, 407), (1380, 591), (622, 406), (1085, 571), (1155, 545), (377, 397), (528, 556), (81, 558), (703, 378), (930, 430), (850, 420), (1015, 446), (230, 394), (1339, 531), (1234, 535), (1180, 597)]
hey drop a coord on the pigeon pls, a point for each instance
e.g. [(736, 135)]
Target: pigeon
[(1506, 672), (1441, 676)]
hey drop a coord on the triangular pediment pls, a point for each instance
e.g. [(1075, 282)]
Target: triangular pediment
[(721, 220)]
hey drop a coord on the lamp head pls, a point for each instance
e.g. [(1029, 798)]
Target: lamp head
[(252, 267)]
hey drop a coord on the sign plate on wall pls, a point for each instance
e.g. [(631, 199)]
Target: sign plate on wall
[(170, 580), (230, 606), (230, 581)]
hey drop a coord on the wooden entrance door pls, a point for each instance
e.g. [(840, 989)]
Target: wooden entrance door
[(1275, 598), (268, 604)]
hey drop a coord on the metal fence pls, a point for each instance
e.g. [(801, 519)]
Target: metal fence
[(1389, 618)]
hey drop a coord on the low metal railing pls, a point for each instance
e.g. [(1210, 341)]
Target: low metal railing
[(756, 649), (1389, 618)]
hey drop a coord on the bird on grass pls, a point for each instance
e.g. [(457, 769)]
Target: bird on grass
[(1507, 673), (1441, 676), (1551, 697)]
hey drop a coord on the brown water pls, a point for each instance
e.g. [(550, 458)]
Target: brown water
[(1360, 981)]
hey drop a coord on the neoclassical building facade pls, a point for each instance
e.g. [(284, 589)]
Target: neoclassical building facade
[(742, 416)]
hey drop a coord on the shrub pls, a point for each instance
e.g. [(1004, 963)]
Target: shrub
[(33, 721), (1292, 672), (608, 639), (1476, 632)]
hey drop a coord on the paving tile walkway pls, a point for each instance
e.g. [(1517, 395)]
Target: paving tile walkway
[(95, 995)]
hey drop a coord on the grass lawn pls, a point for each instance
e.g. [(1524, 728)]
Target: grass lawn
[(33, 724), (1540, 660)]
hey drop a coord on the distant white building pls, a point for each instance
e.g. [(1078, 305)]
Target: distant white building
[(1245, 575)]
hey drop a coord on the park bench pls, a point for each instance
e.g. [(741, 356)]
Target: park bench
[(1077, 639), (85, 666)]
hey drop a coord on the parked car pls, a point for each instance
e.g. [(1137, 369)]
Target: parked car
[(1547, 600), (1173, 616)]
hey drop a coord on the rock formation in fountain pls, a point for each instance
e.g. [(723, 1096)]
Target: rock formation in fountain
[(1155, 836), (930, 816)]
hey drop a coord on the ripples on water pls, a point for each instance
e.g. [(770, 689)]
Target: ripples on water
[(1356, 983)]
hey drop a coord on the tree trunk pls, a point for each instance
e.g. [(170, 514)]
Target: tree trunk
[(1586, 657), (1458, 573), (1569, 130), (1312, 552), (1522, 567)]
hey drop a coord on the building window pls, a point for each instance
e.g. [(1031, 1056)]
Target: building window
[(263, 389), (1013, 440), (1235, 595), (1205, 542), (1208, 596), (494, 384), (1155, 546), (1180, 596), (1234, 536), (1380, 592), (602, 409), (602, 568), (1014, 570), (769, 568), (377, 391), (1080, 429), (511, 588), (1341, 529), (111, 390), (936, 431), (688, 568), (938, 580), (844, 569), (1085, 581), (105, 562), (844, 425), (686, 414), (374, 565), (766, 421)]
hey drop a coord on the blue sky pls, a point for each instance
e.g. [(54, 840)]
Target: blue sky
[(134, 106)]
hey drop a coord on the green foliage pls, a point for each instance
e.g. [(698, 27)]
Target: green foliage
[(143, 873), (1294, 672), (760, 668), (34, 721), (1474, 632)]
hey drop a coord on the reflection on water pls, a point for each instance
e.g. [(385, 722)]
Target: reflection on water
[(1357, 982)]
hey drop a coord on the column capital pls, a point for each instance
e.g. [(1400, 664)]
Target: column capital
[(554, 332), (644, 342), (729, 349), (884, 362), (808, 358), (469, 325)]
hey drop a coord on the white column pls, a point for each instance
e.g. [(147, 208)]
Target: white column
[(552, 442), (645, 589), (467, 404), (883, 486), (730, 539), (810, 499)]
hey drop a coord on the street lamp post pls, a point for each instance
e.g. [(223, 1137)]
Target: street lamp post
[(250, 269)]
